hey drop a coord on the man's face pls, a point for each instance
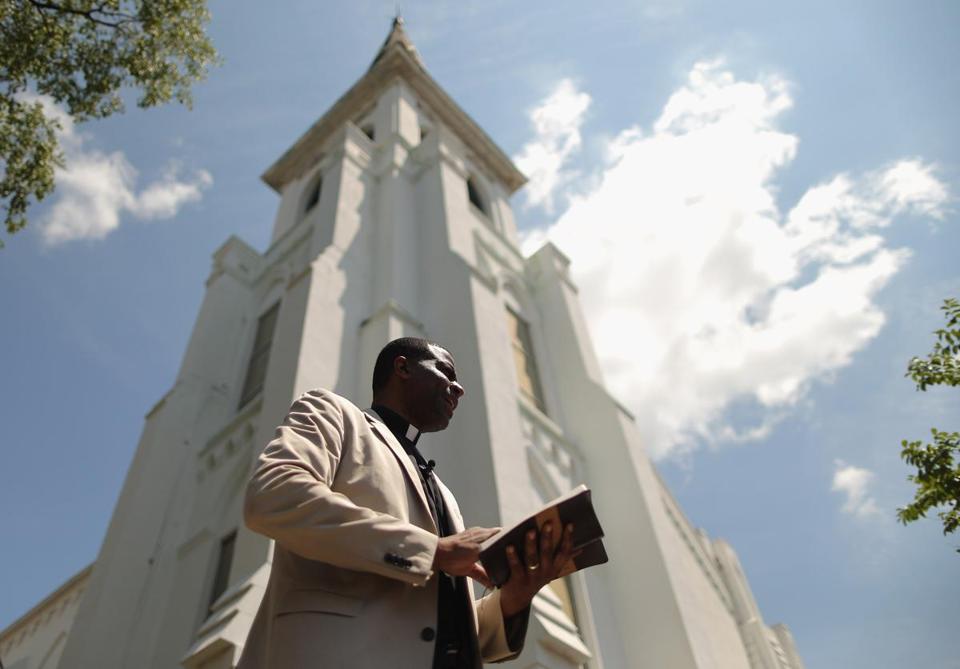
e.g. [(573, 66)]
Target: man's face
[(432, 391)]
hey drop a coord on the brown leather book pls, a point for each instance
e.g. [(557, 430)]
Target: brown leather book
[(575, 507)]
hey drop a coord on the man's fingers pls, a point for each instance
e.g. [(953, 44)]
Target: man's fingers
[(531, 555), (564, 553), (480, 534), (479, 574), (489, 532), (566, 546), (513, 561), (546, 547)]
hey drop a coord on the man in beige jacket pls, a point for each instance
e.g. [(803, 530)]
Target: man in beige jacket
[(371, 557)]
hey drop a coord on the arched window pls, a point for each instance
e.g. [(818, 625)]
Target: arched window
[(475, 195), (313, 197)]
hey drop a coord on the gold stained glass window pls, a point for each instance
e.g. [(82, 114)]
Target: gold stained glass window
[(260, 355), (527, 374)]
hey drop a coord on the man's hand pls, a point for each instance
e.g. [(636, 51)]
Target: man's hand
[(457, 554), (539, 568)]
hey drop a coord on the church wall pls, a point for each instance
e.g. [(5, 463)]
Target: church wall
[(291, 199), (486, 257), (396, 231), (653, 634), (126, 566), (393, 248), (396, 115), (220, 469), (755, 634), (222, 461), (330, 307), (36, 640), (306, 270), (711, 626), (487, 339), (214, 361), (788, 645), (204, 397), (447, 310)]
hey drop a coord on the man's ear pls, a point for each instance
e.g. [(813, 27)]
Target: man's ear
[(401, 367)]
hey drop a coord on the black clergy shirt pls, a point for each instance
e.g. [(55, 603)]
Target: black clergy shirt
[(456, 640), (456, 644)]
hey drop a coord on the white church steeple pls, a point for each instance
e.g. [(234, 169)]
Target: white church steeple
[(394, 219)]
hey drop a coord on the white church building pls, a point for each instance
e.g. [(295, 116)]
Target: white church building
[(394, 220)]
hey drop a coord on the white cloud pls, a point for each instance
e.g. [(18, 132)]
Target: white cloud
[(164, 197), (854, 483), (94, 189), (700, 292), (556, 122)]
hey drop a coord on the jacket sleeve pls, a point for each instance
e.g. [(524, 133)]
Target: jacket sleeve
[(289, 499), (500, 640)]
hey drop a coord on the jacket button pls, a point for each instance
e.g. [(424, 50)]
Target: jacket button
[(427, 634)]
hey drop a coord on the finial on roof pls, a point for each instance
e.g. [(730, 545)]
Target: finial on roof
[(399, 37)]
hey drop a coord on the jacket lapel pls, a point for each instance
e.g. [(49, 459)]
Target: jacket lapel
[(413, 477)]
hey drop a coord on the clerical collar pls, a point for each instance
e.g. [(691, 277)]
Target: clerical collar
[(401, 428)]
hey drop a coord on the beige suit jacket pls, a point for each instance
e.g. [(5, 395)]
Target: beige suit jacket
[(351, 583)]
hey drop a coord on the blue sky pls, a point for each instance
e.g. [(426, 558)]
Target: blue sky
[(770, 193)]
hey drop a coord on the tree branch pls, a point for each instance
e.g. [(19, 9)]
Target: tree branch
[(120, 17)]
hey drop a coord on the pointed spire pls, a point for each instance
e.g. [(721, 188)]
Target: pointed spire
[(398, 36)]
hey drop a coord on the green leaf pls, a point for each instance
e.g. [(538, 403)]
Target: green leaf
[(83, 54)]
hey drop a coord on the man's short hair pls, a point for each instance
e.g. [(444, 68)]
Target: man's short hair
[(412, 348)]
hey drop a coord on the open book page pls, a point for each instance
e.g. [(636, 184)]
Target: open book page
[(574, 508)]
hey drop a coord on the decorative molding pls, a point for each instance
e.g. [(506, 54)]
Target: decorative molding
[(353, 144), (290, 262), (235, 437), (159, 405), (227, 626), (543, 474), (507, 245), (289, 233), (690, 539), (535, 417), (561, 634), (623, 409), (237, 259), (219, 619), (246, 413), (395, 62), (230, 595), (199, 538), (392, 308), (202, 654), (74, 586), (549, 259)]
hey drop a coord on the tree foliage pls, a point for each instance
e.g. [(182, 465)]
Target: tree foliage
[(937, 463), (82, 54)]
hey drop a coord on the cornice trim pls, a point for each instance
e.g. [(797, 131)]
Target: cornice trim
[(395, 63)]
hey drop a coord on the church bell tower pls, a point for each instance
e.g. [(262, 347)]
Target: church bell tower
[(394, 220)]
